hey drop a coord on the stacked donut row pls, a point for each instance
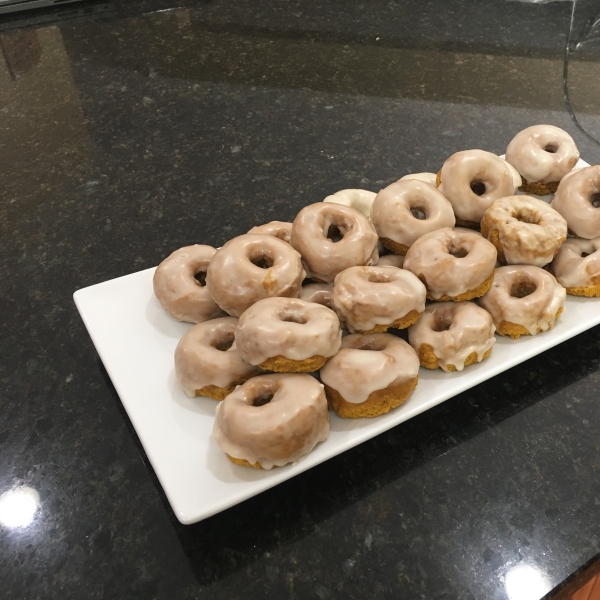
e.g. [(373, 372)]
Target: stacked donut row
[(255, 315)]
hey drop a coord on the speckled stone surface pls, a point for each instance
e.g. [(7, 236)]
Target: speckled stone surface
[(131, 132)]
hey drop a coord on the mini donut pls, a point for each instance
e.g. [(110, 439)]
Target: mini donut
[(272, 420), (332, 237), (373, 299), (251, 267), (524, 230), (543, 155), (454, 264), (360, 200), (279, 229), (317, 292), (180, 284), (452, 335), (523, 300), (577, 267), (391, 260), (288, 335), (406, 210), (472, 180), (577, 199), (370, 375), (430, 178), (207, 362)]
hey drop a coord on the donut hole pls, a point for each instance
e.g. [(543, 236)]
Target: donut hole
[(263, 399), (478, 188), (335, 233), (527, 216), (595, 200), (520, 289), (377, 277), (585, 254), (200, 278), (293, 317), (226, 342), (418, 213), (551, 148), (458, 251), (262, 261), (441, 323)]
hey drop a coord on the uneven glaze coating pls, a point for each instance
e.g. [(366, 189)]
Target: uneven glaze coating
[(392, 217), (236, 282), (177, 289), (577, 263), (207, 355), (432, 260), (536, 311), (454, 330), (528, 230), (287, 327), (391, 260), (368, 296), (577, 199), (368, 363), (472, 180), (323, 258), (279, 229), (542, 153), (281, 431), (317, 292), (429, 178), (360, 200), (517, 180)]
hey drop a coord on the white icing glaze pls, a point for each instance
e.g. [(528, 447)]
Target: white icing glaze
[(572, 269), (577, 199), (430, 258), (179, 292), (317, 292), (369, 363), (391, 260), (282, 431), (472, 167), (529, 230), (360, 200), (392, 217), (536, 311), (517, 180), (236, 283), (323, 258), (279, 229), (526, 152), (287, 327), (368, 296), (454, 330), (430, 178), (199, 362)]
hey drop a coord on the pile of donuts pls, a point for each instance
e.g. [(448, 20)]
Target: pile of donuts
[(292, 319)]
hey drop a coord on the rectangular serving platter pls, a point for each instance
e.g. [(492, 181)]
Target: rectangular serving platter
[(136, 339)]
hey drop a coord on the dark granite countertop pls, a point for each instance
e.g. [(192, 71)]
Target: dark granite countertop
[(137, 128)]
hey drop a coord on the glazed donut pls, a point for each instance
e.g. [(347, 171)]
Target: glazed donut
[(391, 260), (523, 300), (577, 267), (524, 230), (577, 199), (207, 362), (360, 200), (317, 292), (472, 180), (430, 178), (251, 267), (279, 229), (370, 375), (373, 299), (180, 285), (272, 420), (454, 264), (543, 155), (288, 335), (332, 237), (452, 335), (406, 210)]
